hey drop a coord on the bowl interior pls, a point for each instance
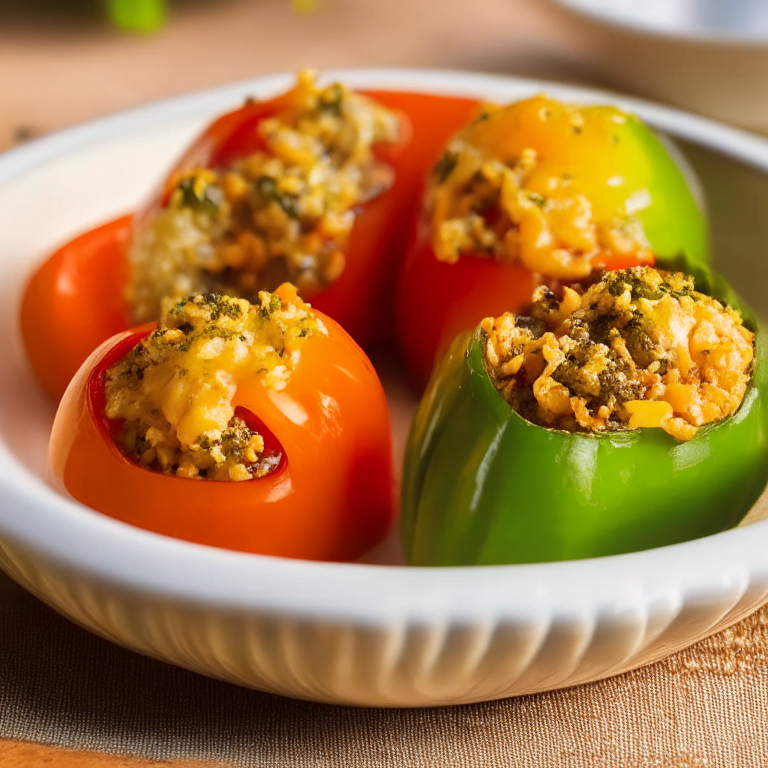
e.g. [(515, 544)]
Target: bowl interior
[(56, 188)]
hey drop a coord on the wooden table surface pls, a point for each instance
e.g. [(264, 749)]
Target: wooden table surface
[(60, 66)]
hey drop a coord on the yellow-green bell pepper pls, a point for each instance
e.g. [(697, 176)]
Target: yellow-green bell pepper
[(602, 154), (608, 155)]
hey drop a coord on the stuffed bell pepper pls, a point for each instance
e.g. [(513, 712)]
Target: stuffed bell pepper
[(294, 189), (537, 192), (621, 414), (256, 427), (304, 187)]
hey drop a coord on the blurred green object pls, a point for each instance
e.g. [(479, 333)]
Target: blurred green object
[(150, 15), (137, 15)]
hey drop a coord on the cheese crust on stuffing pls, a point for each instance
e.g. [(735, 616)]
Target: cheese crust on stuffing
[(523, 209), (175, 390)]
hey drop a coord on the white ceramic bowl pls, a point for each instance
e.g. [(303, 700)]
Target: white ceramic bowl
[(709, 56), (349, 633)]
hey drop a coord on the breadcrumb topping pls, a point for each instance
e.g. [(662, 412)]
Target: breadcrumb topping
[(175, 390), (284, 213), (523, 209), (638, 348)]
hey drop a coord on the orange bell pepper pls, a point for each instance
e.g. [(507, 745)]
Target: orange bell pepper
[(74, 302), (330, 497)]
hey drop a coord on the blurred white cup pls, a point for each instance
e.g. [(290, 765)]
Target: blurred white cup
[(709, 56)]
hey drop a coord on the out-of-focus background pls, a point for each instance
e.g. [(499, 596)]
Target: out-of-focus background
[(64, 61)]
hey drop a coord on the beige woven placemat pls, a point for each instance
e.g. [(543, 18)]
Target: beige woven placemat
[(60, 685)]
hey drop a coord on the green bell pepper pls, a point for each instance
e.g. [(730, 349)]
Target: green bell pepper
[(484, 486)]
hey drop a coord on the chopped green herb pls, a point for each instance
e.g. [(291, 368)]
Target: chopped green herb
[(445, 166)]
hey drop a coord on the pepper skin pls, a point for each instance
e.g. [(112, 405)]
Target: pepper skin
[(329, 499), (484, 486), (614, 158), (74, 302)]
